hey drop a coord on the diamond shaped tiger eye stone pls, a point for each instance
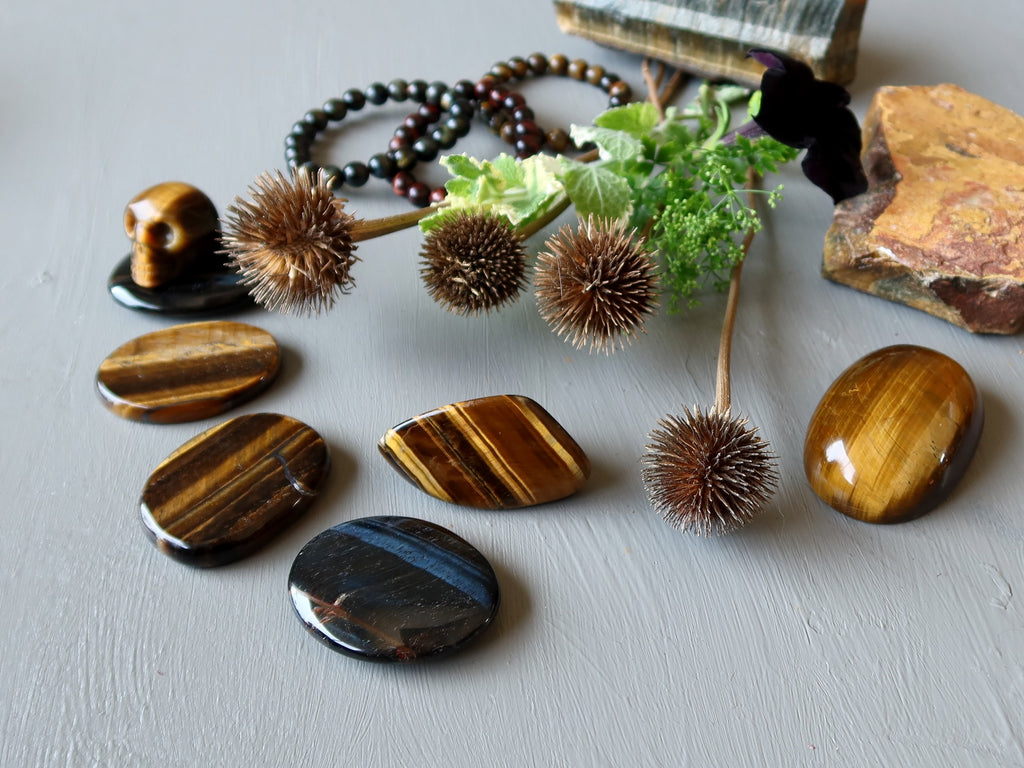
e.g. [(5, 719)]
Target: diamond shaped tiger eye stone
[(893, 434), (188, 372), (393, 589), (229, 490), (499, 452)]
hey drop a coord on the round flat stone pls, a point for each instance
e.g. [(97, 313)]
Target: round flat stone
[(500, 452), (893, 434), (188, 372), (393, 589), (209, 286), (228, 491)]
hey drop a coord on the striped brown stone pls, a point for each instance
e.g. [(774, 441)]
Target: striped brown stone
[(712, 37), (499, 452), (229, 490), (188, 372), (893, 434)]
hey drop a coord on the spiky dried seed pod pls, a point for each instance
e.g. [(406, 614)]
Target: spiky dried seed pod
[(473, 262), (595, 285), (706, 472), (292, 242)]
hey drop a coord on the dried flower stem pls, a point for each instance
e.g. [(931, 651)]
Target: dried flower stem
[(367, 229), (723, 386), (660, 99)]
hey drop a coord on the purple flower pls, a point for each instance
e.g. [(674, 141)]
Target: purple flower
[(804, 112)]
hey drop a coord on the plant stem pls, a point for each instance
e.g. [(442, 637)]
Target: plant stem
[(723, 384), (367, 229)]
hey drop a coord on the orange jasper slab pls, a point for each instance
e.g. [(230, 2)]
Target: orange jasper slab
[(893, 434)]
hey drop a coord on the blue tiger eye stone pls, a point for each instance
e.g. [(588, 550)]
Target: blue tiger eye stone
[(393, 589)]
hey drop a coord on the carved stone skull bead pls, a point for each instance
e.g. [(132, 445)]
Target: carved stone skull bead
[(169, 225)]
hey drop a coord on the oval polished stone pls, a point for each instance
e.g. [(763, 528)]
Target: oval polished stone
[(226, 492), (208, 286), (499, 452), (893, 434), (188, 372), (393, 589)]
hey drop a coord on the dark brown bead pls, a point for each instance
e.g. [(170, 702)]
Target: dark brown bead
[(508, 132), (538, 63), (594, 74), (416, 121), (528, 145), (620, 90), (522, 113), (558, 64), (577, 69), (608, 80), (497, 95), (401, 183), (407, 134), (438, 194), (397, 143), (513, 101), (519, 67), (465, 88), (557, 139), (502, 71), (484, 85), (419, 194), (430, 112), (528, 128)]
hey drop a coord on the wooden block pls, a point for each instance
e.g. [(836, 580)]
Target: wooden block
[(711, 37)]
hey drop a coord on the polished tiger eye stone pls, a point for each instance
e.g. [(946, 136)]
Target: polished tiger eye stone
[(229, 490), (393, 589), (188, 372), (499, 452), (893, 434)]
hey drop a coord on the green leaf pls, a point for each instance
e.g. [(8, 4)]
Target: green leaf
[(636, 119), (612, 144), (462, 165), (596, 190)]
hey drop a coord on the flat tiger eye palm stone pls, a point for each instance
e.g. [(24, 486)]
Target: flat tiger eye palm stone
[(393, 589), (229, 490), (188, 372), (499, 452), (893, 434)]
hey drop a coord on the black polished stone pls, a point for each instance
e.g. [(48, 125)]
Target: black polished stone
[(392, 589), (207, 287)]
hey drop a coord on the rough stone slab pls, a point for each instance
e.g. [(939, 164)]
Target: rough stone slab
[(711, 37), (940, 228)]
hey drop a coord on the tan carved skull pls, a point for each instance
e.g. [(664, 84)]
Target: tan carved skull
[(168, 225)]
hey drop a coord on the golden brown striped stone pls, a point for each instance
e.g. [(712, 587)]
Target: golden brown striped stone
[(227, 491), (893, 434), (499, 452), (188, 372)]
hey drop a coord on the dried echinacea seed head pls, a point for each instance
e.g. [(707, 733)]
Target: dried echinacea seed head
[(595, 285), (292, 242), (708, 473), (473, 262)]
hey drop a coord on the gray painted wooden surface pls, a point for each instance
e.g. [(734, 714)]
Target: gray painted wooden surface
[(806, 639)]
